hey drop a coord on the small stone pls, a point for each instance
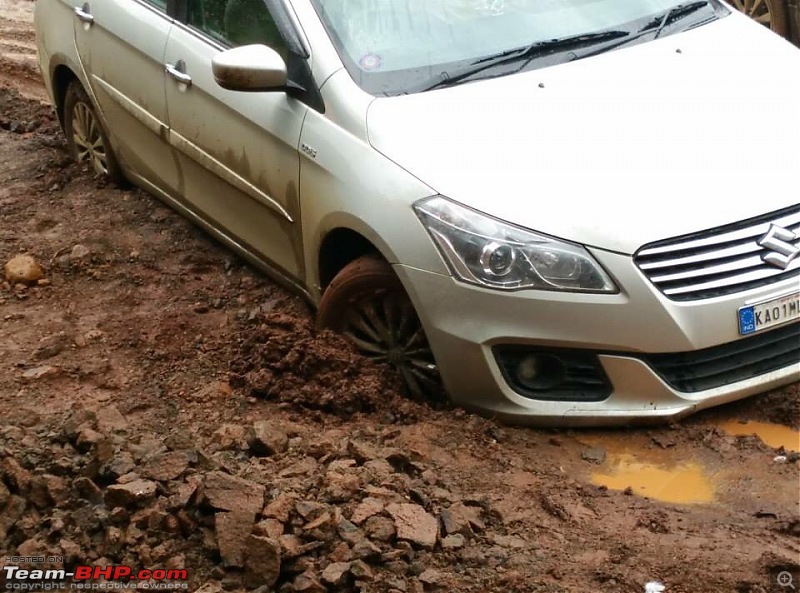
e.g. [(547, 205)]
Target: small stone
[(323, 520), (166, 467), (361, 571), (308, 582), (595, 455), (280, 508), (366, 509), (228, 493), (41, 372), (123, 495), (349, 532), (232, 530), (79, 252), (309, 509), (414, 524), (23, 269), (269, 528), (88, 490), (460, 518), (335, 573), (453, 542), (380, 529), (262, 561), (430, 577), (366, 550), (266, 438)]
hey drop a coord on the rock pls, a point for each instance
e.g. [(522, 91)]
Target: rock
[(460, 518), (595, 455), (232, 530), (341, 553), (349, 532), (414, 524), (362, 452), (132, 493), (335, 573), (453, 542), (87, 438), (17, 476), (380, 528), (262, 561), (308, 582), (13, 511), (269, 528), (366, 509), (5, 494), (339, 487), (230, 437), (366, 550), (88, 490), (266, 438), (79, 252), (228, 493), (361, 571), (41, 372), (51, 346), (430, 577), (322, 521), (23, 269), (166, 467), (309, 509), (280, 508)]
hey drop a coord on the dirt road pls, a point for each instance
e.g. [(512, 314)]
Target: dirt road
[(127, 383)]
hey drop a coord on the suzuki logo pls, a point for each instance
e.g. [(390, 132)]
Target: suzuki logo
[(778, 239)]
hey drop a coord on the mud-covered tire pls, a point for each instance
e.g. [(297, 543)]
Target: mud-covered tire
[(366, 303), (770, 13), (87, 140)]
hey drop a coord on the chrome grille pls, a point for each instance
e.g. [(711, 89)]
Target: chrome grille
[(719, 261)]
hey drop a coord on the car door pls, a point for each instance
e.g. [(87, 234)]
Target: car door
[(121, 44), (237, 151)]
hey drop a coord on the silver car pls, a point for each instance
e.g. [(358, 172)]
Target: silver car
[(561, 212)]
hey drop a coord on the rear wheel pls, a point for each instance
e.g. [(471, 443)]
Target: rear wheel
[(770, 13), (366, 303), (86, 139)]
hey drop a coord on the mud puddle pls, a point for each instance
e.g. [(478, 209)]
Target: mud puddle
[(686, 483), (773, 435)]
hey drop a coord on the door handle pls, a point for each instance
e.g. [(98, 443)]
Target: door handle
[(177, 72), (84, 14)]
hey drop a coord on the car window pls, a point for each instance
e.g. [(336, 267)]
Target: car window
[(160, 4), (236, 22)]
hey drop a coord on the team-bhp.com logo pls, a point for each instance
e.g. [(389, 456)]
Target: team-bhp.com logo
[(114, 577)]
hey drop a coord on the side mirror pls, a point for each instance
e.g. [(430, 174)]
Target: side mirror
[(250, 68)]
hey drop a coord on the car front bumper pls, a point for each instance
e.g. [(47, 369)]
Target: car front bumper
[(465, 323)]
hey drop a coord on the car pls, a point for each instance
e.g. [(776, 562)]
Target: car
[(553, 213), (781, 16)]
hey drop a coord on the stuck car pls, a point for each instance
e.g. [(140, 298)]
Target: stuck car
[(566, 212)]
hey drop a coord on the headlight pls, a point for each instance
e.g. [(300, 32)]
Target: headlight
[(487, 252)]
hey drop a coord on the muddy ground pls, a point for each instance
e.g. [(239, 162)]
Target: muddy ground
[(131, 432)]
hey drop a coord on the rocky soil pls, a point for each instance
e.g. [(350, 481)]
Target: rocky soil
[(165, 405)]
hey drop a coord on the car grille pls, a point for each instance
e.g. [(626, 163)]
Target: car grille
[(720, 261), (690, 372)]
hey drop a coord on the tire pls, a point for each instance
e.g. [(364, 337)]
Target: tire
[(87, 140), (367, 304), (770, 13)]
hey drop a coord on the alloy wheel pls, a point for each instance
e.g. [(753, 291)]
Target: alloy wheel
[(761, 11), (88, 138), (386, 329)]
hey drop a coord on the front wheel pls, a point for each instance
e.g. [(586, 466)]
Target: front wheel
[(366, 303), (86, 139)]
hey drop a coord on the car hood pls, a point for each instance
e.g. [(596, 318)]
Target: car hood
[(652, 141)]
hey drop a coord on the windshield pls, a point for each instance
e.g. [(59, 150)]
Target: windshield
[(401, 46)]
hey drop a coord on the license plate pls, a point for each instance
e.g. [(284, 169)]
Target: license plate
[(762, 316)]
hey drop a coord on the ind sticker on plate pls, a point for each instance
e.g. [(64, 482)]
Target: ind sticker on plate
[(769, 314)]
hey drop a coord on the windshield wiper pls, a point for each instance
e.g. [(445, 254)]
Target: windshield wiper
[(601, 42), (526, 53)]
